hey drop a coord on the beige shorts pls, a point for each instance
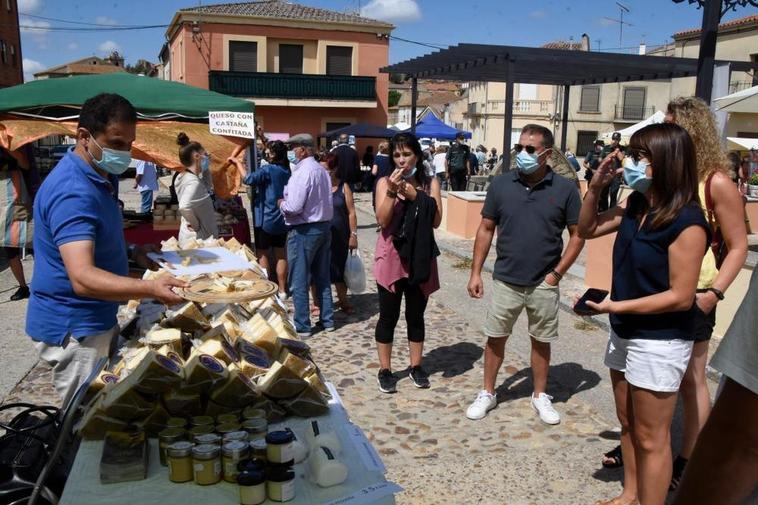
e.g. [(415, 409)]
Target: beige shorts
[(540, 302)]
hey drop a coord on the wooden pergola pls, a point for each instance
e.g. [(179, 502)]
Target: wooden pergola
[(531, 65)]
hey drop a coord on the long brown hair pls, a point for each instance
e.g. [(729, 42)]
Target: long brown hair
[(694, 115), (187, 148), (671, 153)]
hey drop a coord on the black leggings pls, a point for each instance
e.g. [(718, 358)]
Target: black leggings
[(389, 312)]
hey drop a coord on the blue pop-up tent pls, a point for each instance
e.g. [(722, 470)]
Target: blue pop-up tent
[(433, 128)]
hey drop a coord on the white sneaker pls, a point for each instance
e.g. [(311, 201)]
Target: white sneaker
[(484, 403), (283, 296), (544, 408)]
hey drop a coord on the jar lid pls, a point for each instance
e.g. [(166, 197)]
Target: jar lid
[(176, 422), (279, 437), (202, 420), (171, 434), (235, 435), (202, 429), (208, 438), (252, 464), (251, 412), (258, 444), (206, 451), (234, 447), (226, 418), (251, 478), (227, 427), (280, 473), (179, 449), (256, 424)]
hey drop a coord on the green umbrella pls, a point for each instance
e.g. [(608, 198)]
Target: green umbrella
[(153, 98)]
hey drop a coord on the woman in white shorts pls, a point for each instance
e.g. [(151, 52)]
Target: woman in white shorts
[(662, 236)]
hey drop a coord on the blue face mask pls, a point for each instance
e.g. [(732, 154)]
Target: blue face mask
[(527, 163), (112, 161), (410, 174), (635, 175), (291, 156), (205, 163)]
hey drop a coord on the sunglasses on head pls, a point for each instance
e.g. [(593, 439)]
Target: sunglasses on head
[(519, 147), (636, 154)]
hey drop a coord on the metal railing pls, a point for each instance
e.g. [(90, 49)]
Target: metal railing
[(632, 112), (533, 107), (292, 86), (740, 85)]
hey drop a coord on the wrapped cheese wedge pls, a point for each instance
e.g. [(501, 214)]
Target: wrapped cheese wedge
[(248, 254), (169, 352), (211, 310), (296, 347), (233, 244), (155, 422), (154, 374), (317, 436), (131, 357), (297, 365), (214, 409), (121, 401), (155, 339), (325, 469), (309, 403), (258, 332), (101, 381), (203, 372), (254, 365), (281, 382), (219, 348), (218, 332), (274, 413), (315, 381), (183, 403), (238, 391), (94, 424), (171, 244), (187, 318)]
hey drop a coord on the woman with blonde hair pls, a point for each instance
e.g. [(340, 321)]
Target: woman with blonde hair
[(723, 207)]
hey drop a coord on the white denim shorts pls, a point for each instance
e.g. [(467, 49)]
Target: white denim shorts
[(657, 365)]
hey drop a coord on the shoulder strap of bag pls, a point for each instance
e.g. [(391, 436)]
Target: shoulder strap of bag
[(709, 202)]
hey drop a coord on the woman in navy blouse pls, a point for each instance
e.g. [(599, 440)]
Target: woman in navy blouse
[(662, 237)]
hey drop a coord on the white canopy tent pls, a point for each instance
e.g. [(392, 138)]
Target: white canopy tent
[(741, 101), (740, 144), (627, 132)]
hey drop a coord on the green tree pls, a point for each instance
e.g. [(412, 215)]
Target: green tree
[(394, 97)]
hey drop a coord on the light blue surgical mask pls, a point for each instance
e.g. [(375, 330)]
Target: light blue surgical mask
[(291, 156), (205, 163), (112, 161), (527, 163), (410, 174), (635, 175)]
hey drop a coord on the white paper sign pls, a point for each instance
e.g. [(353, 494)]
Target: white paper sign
[(199, 261), (232, 124)]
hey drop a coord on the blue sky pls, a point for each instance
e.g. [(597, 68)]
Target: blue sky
[(438, 22)]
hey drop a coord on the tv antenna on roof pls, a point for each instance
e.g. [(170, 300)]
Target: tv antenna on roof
[(622, 8)]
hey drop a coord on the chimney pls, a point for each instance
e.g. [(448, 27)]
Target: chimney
[(585, 42), (643, 48)]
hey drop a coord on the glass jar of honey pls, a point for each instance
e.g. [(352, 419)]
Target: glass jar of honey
[(166, 438), (231, 454), (206, 463), (179, 456)]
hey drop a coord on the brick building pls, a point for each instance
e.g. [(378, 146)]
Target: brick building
[(11, 68)]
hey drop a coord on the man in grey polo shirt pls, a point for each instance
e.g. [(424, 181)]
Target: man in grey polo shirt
[(530, 207)]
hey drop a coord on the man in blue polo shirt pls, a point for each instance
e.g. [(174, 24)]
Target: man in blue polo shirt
[(530, 207), (80, 260)]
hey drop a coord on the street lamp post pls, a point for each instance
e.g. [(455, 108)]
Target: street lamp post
[(713, 11)]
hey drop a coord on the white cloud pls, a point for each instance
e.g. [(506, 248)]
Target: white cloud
[(36, 30), (105, 20), (538, 14), (72, 46), (107, 47), (29, 6), (30, 67), (392, 10)]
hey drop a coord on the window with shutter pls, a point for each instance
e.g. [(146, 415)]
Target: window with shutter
[(339, 60), (634, 103), (290, 59), (243, 56), (590, 100), (585, 141)]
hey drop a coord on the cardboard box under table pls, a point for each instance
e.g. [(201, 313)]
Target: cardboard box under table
[(365, 483)]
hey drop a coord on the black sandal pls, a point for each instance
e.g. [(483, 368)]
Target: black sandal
[(615, 458)]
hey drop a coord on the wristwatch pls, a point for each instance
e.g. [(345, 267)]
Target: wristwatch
[(354, 233), (719, 294)]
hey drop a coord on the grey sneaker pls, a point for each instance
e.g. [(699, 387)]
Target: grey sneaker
[(419, 377), (387, 381)]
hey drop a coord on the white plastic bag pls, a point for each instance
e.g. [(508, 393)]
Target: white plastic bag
[(355, 276)]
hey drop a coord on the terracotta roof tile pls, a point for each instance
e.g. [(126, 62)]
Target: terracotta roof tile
[(284, 10), (729, 24)]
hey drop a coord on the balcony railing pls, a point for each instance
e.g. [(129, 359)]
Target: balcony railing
[(293, 86), (632, 112), (740, 85), (528, 107)]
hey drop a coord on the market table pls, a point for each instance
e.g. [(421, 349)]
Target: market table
[(143, 233), (365, 483)]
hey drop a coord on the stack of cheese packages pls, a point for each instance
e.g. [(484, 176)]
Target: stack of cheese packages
[(206, 359)]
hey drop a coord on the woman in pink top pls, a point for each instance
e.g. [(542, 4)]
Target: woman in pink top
[(408, 208)]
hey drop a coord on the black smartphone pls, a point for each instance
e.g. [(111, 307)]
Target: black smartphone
[(592, 295)]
